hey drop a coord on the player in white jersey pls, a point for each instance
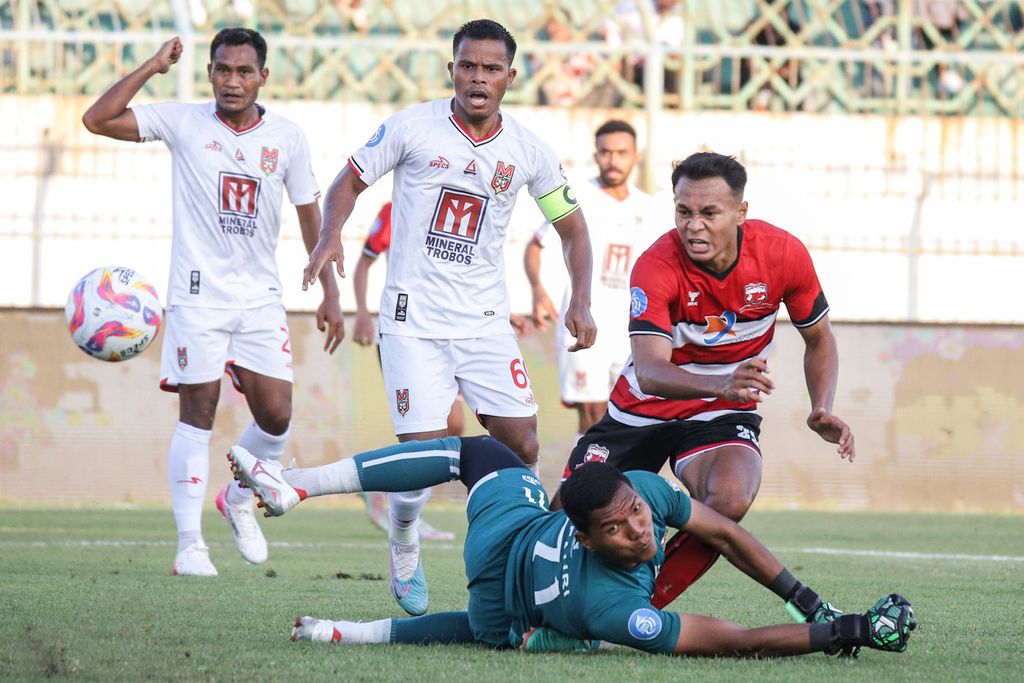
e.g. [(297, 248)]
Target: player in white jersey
[(623, 223), (444, 321), (232, 160)]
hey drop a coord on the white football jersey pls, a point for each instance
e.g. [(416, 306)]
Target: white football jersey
[(620, 230), (227, 187), (453, 198)]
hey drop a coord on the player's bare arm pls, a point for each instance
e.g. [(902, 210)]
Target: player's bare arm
[(821, 370), (543, 308), (328, 314), (109, 115), (659, 376), (579, 260), (338, 205), (363, 332)]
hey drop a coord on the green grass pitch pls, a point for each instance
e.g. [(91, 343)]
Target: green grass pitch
[(86, 594)]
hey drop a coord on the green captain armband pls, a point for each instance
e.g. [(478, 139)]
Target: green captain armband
[(558, 203)]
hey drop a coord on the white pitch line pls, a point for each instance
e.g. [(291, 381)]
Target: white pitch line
[(374, 545), (900, 555)]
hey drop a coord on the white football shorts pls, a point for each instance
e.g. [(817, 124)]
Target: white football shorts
[(588, 375), (423, 376), (200, 343)]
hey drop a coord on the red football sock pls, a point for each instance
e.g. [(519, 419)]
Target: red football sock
[(686, 560)]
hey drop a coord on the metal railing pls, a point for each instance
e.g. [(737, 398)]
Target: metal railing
[(901, 57)]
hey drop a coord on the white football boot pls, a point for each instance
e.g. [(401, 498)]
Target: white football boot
[(264, 478), (317, 630), (248, 538), (194, 561)]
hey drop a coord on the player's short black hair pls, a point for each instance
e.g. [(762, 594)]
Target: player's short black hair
[(240, 36), (711, 165), (484, 29), (592, 486), (614, 126)]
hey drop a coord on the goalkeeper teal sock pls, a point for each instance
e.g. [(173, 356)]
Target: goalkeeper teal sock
[(409, 466)]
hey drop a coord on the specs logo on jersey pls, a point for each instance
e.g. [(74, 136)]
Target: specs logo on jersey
[(239, 155), (455, 226), (402, 401), (376, 137), (719, 327), (502, 179), (637, 302), (440, 162), (213, 146), (268, 160), (239, 204), (693, 299), (644, 624), (470, 167)]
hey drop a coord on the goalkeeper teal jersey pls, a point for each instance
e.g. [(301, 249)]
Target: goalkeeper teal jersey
[(551, 580)]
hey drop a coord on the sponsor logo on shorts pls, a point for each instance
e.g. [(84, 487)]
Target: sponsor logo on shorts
[(193, 287), (502, 179), (402, 401), (376, 137), (644, 624), (637, 302), (182, 357), (581, 379), (596, 453), (401, 307), (440, 162), (530, 400), (268, 160)]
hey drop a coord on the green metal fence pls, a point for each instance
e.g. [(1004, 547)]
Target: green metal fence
[(902, 57)]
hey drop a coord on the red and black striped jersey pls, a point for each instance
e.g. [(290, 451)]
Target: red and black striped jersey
[(379, 239), (715, 320)]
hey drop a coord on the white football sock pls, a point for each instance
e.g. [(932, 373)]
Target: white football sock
[(265, 447), (188, 467), (358, 632), (405, 509), (336, 477)]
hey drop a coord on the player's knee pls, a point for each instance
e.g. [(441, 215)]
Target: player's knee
[(731, 505), (275, 424)]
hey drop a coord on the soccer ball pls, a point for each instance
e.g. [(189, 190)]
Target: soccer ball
[(113, 313)]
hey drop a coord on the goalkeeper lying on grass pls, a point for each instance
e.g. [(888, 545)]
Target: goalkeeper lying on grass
[(569, 579)]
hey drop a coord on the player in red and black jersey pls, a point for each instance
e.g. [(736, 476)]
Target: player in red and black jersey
[(704, 300)]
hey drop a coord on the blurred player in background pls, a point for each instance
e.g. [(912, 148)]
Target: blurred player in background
[(364, 334), (544, 580), (444, 325), (622, 224), (705, 298), (232, 160)]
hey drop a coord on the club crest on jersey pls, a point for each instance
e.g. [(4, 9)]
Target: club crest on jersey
[(439, 162), (182, 357), (644, 624), (719, 327), (596, 453), (637, 302), (268, 160), (402, 401), (502, 177)]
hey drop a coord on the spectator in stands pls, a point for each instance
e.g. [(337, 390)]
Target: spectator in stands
[(667, 29), (573, 79), (945, 16)]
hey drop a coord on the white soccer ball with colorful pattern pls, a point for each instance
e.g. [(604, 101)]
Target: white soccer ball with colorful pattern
[(113, 313)]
